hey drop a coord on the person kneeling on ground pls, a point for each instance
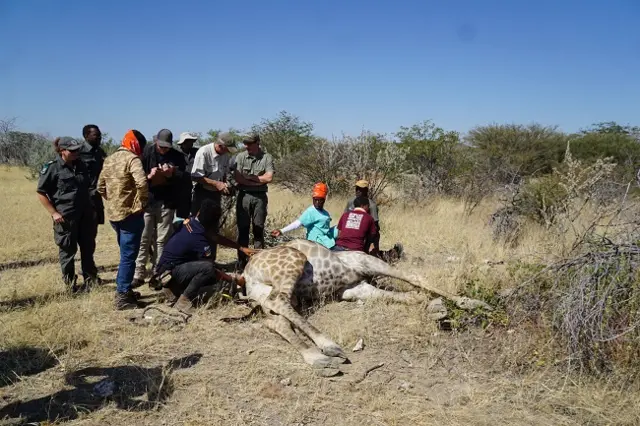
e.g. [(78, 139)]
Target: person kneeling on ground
[(187, 257), (357, 231), (315, 219), (356, 228)]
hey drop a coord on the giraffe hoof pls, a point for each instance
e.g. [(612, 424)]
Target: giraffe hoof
[(333, 350), (318, 360)]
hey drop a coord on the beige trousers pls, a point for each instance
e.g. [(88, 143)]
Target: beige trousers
[(157, 230)]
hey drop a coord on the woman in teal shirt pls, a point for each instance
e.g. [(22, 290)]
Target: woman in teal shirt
[(315, 219)]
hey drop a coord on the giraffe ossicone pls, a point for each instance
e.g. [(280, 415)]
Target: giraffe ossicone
[(284, 279)]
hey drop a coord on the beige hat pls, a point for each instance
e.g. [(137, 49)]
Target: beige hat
[(184, 136), (362, 184)]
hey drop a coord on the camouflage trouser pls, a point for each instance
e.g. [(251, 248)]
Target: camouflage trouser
[(157, 230), (251, 212), (74, 232)]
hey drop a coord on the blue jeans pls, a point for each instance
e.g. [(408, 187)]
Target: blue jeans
[(129, 234)]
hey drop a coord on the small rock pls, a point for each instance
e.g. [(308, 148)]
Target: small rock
[(285, 382), (436, 310), (404, 386), (510, 331), (359, 345), (250, 351)]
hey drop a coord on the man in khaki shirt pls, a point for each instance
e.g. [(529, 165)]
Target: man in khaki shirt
[(123, 185), (252, 172)]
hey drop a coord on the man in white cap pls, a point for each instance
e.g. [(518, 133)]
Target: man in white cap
[(185, 146)]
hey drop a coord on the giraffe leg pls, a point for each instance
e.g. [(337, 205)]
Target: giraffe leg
[(311, 355), (282, 306), (365, 291)]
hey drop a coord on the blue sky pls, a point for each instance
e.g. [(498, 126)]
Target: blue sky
[(343, 65)]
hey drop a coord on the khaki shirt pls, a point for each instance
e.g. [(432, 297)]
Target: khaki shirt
[(123, 184), (256, 165), (208, 163)]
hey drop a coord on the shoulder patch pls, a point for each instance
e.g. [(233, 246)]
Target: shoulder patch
[(45, 167)]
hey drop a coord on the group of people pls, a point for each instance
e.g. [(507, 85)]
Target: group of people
[(164, 202)]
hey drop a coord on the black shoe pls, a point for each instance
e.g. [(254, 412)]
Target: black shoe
[(93, 280), (154, 284), (134, 294), (136, 283), (124, 302)]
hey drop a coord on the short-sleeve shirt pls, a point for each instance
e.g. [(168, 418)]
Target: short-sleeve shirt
[(355, 228), (208, 163), (373, 208), (318, 226), (66, 186), (256, 165), (188, 244)]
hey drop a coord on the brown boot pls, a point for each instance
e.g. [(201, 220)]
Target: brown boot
[(168, 297), (184, 305)]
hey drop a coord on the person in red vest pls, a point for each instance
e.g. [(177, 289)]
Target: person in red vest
[(356, 228)]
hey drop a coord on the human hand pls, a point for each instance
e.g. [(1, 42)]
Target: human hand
[(221, 186), (276, 233), (152, 173), (249, 251), (57, 217)]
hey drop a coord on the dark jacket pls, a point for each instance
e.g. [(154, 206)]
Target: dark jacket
[(93, 158), (183, 208), (168, 193)]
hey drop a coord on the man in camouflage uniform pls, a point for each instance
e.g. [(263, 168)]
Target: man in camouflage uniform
[(63, 189), (252, 172), (92, 155)]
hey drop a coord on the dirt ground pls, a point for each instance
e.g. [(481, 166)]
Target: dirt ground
[(74, 360)]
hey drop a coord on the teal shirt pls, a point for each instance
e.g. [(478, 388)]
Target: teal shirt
[(318, 226)]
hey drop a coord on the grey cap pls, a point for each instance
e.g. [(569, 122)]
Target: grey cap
[(164, 138), (254, 138), (69, 143), (227, 140)]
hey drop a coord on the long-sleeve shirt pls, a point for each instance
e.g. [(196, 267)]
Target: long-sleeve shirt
[(123, 184)]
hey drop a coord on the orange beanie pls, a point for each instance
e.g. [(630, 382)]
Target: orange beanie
[(320, 190)]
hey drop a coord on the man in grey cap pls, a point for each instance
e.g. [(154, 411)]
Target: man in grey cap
[(252, 172), (165, 168), (63, 190), (210, 171)]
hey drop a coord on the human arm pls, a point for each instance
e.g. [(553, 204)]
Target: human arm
[(224, 241), (140, 179), (253, 180), (45, 190), (102, 185), (290, 227), (44, 200), (200, 174)]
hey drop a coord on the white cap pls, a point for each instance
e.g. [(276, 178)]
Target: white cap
[(186, 136)]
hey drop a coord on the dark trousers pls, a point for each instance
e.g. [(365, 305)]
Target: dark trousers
[(73, 232), (188, 278), (128, 234), (251, 212), (199, 195)]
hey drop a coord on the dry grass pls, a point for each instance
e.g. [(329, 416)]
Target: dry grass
[(429, 377)]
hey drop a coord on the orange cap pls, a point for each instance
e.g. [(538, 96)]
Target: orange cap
[(320, 190)]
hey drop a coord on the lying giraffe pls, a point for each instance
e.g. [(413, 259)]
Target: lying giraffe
[(283, 278)]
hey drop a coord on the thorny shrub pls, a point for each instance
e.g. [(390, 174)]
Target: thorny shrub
[(557, 200)]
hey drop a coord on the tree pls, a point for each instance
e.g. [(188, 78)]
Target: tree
[(284, 135), (433, 155)]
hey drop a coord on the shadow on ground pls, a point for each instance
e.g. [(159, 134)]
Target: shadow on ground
[(129, 387), (16, 363)]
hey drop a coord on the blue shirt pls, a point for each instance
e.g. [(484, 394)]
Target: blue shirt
[(317, 223), (186, 245)]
